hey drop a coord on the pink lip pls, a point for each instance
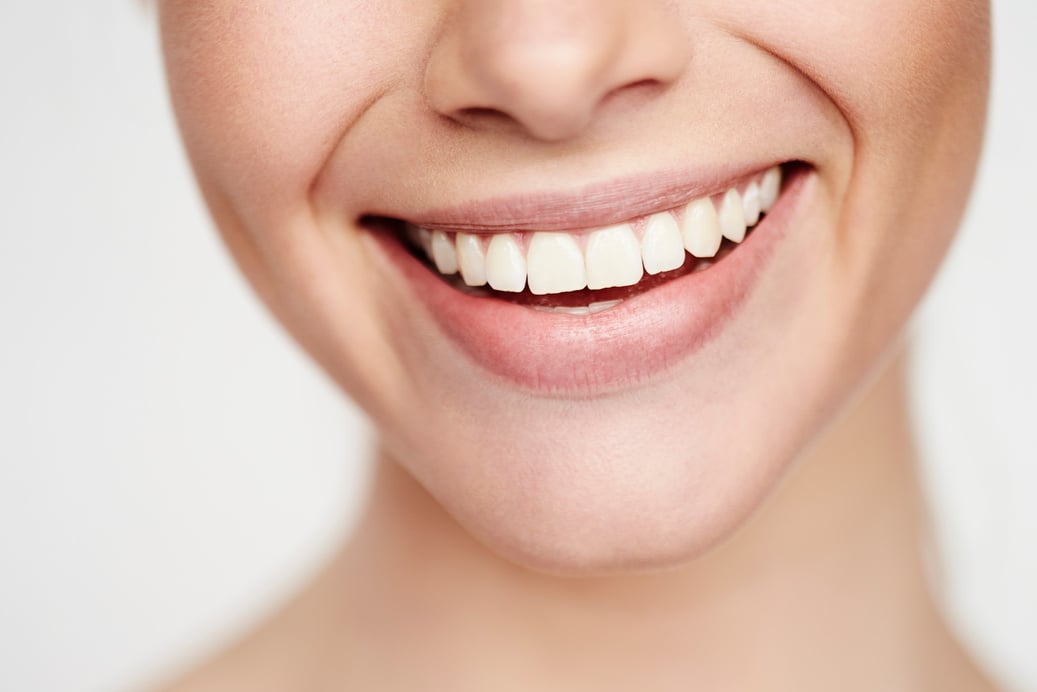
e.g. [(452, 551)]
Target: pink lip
[(568, 355), (595, 205)]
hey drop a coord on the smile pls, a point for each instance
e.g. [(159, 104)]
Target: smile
[(601, 309), (549, 263)]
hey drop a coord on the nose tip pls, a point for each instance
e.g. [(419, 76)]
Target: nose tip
[(547, 67), (551, 88)]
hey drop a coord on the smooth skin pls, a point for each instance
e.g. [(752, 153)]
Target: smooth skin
[(749, 520)]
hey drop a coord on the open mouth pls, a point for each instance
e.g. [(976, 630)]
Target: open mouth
[(601, 307), (587, 271)]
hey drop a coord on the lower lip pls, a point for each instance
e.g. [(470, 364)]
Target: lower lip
[(622, 347)]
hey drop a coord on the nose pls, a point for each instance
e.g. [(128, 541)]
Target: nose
[(550, 66)]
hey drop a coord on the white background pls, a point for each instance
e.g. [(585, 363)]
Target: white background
[(170, 464)]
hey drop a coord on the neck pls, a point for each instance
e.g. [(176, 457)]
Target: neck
[(824, 588)]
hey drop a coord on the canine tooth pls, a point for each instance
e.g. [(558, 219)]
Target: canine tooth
[(555, 264), (613, 257), (770, 187), (443, 253), (471, 259), (732, 217), (702, 235), (662, 247), (505, 264), (751, 204)]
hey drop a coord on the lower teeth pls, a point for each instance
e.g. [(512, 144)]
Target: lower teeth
[(591, 309)]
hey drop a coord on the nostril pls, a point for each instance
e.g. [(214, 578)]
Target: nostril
[(482, 117), (636, 91), (639, 85), (478, 113)]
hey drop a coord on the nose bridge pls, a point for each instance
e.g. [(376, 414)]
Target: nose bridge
[(547, 64)]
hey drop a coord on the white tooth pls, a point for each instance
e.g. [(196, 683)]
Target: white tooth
[(603, 305), (702, 235), (471, 259), (751, 204), (770, 186), (425, 241), (505, 264), (583, 311), (555, 264), (662, 247), (613, 257), (443, 253), (732, 217), (563, 310)]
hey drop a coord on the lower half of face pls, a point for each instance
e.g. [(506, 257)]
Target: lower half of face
[(599, 271)]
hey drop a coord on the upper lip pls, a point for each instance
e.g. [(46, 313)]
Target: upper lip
[(592, 206)]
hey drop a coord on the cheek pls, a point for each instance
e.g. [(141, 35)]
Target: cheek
[(264, 90), (880, 60), (920, 138), (911, 79)]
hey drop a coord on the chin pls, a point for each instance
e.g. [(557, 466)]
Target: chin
[(598, 492)]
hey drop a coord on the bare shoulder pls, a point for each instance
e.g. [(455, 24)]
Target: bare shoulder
[(249, 664), (307, 645)]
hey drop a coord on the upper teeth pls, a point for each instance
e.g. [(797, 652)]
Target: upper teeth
[(558, 262)]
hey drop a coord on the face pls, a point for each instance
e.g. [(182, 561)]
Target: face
[(509, 229)]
